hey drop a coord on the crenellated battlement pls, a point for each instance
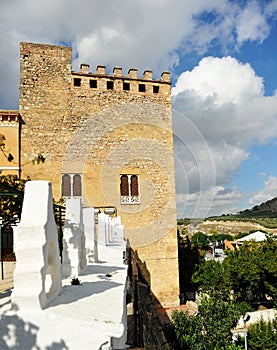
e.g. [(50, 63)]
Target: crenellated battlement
[(100, 80), (39, 62)]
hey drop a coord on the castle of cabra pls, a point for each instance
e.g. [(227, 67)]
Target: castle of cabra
[(106, 138)]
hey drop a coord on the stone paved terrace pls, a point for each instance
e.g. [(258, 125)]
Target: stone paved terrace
[(81, 317)]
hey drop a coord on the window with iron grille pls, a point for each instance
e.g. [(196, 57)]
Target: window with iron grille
[(129, 189), (66, 185)]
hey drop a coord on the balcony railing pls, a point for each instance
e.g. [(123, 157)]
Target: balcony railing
[(129, 200)]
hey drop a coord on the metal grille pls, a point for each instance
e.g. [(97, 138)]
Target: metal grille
[(124, 186), (134, 185)]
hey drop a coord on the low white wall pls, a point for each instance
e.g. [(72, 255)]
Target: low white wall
[(90, 234), (37, 278), (74, 250)]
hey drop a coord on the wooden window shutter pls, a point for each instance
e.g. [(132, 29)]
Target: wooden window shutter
[(124, 186), (134, 185), (66, 186), (77, 185)]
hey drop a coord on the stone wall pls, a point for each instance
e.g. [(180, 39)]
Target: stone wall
[(101, 126)]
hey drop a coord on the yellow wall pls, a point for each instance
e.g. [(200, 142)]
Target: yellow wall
[(10, 128), (101, 134)]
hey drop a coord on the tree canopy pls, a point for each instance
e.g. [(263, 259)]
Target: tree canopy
[(246, 277), (250, 272), (210, 328), (11, 203)]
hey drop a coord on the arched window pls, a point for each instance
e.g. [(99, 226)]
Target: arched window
[(124, 185), (71, 185), (129, 189), (66, 186), (134, 185), (77, 185)]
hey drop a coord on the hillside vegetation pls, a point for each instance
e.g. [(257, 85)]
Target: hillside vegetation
[(264, 214)]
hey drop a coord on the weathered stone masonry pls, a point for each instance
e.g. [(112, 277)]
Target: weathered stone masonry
[(102, 126)]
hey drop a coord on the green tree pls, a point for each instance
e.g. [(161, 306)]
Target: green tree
[(210, 276), (251, 270), (189, 259), (268, 250), (11, 205), (262, 335), (243, 268), (200, 240), (188, 331), (219, 237), (210, 328)]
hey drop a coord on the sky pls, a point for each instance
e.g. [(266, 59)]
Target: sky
[(222, 56)]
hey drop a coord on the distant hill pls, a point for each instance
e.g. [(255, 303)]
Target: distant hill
[(266, 209), (264, 214), (260, 217)]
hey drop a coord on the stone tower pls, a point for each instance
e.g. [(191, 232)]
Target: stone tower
[(107, 138)]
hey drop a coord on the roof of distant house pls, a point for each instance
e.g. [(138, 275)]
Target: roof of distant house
[(257, 236)]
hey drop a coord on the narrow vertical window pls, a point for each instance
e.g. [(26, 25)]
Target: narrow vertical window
[(129, 189), (109, 85), (93, 83), (124, 186), (134, 185), (66, 186), (141, 87), (77, 185), (77, 82)]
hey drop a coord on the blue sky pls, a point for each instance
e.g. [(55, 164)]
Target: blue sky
[(222, 56)]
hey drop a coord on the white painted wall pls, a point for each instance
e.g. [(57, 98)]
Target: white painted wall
[(90, 233), (37, 278), (74, 246)]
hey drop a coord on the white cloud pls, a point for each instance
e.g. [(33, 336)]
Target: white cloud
[(221, 100), (225, 201), (252, 24), (141, 34), (271, 8), (269, 191), (224, 101), (216, 201), (224, 80)]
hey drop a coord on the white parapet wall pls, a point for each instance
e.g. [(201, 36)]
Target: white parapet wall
[(44, 315), (37, 277), (102, 229), (74, 246), (118, 229), (90, 234)]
